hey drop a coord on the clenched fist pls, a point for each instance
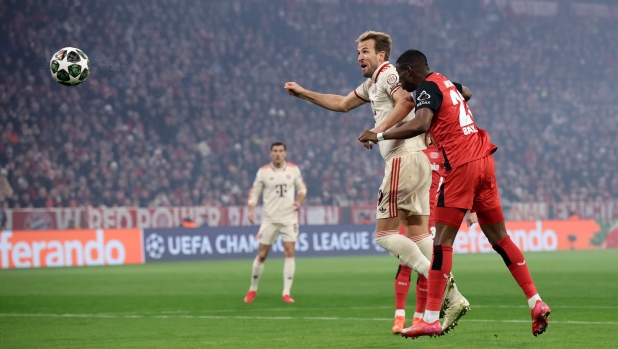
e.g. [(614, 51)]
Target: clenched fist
[(293, 89)]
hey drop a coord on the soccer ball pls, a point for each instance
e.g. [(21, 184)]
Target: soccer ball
[(69, 66)]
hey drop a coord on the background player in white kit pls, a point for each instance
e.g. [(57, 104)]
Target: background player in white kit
[(404, 194), (278, 181)]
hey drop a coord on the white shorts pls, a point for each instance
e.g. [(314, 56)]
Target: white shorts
[(269, 232), (405, 187)]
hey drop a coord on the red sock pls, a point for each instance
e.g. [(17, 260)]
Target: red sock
[(402, 285), (514, 260), (441, 265), (421, 294)]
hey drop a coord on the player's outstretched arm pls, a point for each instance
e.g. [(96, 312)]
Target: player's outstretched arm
[(404, 103), (327, 101), (418, 125)]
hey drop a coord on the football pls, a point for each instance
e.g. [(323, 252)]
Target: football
[(69, 66)]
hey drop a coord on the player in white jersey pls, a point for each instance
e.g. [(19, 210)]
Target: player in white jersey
[(278, 182), (404, 194)]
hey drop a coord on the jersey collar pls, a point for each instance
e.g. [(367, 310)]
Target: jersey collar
[(285, 164), (380, 69)]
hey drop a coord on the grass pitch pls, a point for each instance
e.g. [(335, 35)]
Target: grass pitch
[(340, 303)]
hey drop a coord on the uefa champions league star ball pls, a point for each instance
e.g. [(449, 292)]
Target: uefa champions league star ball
[(69, 66)]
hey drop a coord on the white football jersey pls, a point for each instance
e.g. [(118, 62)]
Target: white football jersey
[(379, 92), (280, 186)]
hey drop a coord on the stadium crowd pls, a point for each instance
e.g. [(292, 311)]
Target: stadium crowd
[(181, 106)]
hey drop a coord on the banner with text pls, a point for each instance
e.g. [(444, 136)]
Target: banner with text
[(532, 236), (233, 243), (70, 248), (159, 217)]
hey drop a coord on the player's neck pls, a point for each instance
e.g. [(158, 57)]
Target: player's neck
[(278, 165)]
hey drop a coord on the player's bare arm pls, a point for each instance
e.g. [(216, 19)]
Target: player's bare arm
[(418, 125), (404, 103), (336, 103), (251, 215), (300, 197)]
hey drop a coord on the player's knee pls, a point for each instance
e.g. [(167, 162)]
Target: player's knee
[(261, 258)]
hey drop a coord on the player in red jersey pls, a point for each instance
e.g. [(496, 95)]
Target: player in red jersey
[(403, 276), (469, 184)]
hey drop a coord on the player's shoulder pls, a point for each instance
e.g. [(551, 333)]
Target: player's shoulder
[(265, 168), (426, 89), (387, 74), (293, 167)]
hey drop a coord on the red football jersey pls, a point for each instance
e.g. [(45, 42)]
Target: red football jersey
[(435, 158), (452, 127)]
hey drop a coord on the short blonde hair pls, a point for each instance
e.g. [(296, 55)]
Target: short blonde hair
[(382, 42)]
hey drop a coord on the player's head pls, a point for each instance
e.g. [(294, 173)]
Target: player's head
[(412, 68), (278, 153), (374, 48)]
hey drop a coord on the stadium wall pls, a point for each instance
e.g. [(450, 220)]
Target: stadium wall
[(237, 216), (98, 247)]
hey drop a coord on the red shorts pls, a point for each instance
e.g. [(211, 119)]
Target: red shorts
[(471, 186)]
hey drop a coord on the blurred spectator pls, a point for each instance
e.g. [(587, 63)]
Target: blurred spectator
[(185, 97)]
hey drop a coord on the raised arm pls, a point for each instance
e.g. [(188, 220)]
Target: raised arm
[(404, 103), (327, 101)]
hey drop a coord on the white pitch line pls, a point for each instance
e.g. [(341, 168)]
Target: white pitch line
[(390, 307), (319, 318)]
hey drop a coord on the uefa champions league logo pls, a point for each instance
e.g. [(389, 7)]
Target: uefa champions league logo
[(155, 246)]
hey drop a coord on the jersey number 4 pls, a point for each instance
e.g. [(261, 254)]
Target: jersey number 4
[(465, 117)]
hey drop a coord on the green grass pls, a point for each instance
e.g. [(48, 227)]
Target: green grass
[(199, 305)]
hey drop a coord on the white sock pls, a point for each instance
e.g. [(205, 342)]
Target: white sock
[(532, 300), (418, 315), (289, 266), (400, 312), (407, 251), (425, 245), (256, 273), (431, 316)]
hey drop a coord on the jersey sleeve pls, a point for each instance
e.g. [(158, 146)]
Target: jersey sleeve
[(256, 190), (428, 95), (299, 183), (362, 91), (458, 86), (389, 81)]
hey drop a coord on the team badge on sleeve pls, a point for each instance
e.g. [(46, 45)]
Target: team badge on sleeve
[(391, 79)]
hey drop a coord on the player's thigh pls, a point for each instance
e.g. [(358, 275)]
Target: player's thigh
[(268, 233), (458, 187), (387, 194), (289, 232), (389, 224), (414, 184), (486, 195)]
